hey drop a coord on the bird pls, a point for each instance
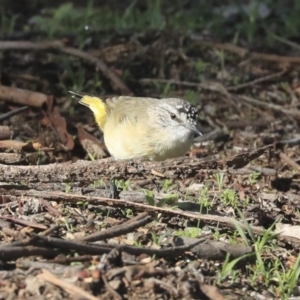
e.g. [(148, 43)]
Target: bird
[(143, 127)]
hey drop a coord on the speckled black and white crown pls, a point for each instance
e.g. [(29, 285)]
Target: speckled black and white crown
[(185, 112), (189, 110)]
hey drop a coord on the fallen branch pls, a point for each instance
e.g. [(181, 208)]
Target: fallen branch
[(11, 253), (21, 96), (90, 171)]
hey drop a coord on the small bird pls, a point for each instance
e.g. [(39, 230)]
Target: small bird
[(140, 127)]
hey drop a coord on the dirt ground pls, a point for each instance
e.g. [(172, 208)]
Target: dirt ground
[(220, 223)]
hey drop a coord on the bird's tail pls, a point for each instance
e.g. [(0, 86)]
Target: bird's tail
[(95, 104)]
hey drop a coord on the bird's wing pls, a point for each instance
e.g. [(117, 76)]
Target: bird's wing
[(126, 108)]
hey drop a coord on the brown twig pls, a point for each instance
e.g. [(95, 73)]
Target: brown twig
[(124, 228), (12, 253), (38, 242), (289, 161), (21, 96), (24, 222), (50, 230), (113, 293), (117, 84), (14, 112), (68, 287), (224, 46), (255, 81)]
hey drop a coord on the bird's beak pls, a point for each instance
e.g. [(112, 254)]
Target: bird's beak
[(196, 130)]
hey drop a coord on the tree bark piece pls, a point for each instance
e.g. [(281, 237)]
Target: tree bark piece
[(89, 171)]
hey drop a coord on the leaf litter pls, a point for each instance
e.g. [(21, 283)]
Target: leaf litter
[(221, 223)]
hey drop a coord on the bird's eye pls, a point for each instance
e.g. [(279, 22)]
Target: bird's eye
[(172, 116)]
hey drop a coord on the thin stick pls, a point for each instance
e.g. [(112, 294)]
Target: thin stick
[(68, 287), (12, 113), (289, 161)]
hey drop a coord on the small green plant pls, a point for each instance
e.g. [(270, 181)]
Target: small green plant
[(253, 20), (247, 201), (76, 74), (68, 187), (83, 204), (170, 199), (92, 158), (219, 178), (99, 183), (271, 273), (254, 177), (287, 280), (221, 55), (157, 239), (201, 67), (149, 196), (67, 19), (167, 184), (191, 232), (138, 244), (204, 199), (8, 24), (263, 269), (122, 184), (168, 89), (128, 213), (68, 225), (228, 268), (76, 263), (229, 197)]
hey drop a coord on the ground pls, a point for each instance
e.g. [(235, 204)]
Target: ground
[(220, 223)]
